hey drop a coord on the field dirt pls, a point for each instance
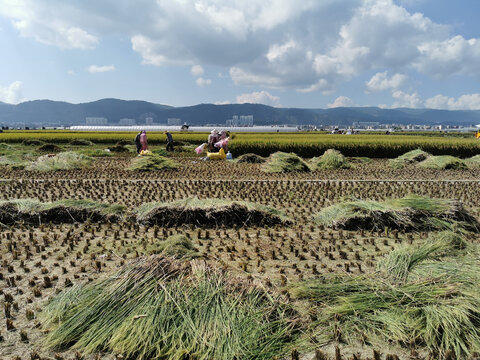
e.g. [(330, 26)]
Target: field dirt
[(39, 261)]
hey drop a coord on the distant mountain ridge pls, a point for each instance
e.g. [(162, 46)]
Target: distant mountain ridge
[(57, 113)]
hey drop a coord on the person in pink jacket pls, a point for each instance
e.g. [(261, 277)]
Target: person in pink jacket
[(143, 140)]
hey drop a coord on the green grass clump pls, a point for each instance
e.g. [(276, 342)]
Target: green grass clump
[(156, 308), (35, 206), (285, 162), (250, 158), (5, 148), (428, 294), (67, 210), (473, 162), (86, 204), (24, 205), (209, 212), (178, 246), (400, 262), (152, 163), (443, 162), (331, 159), (411, 213), (63, 161), (95, 153), (11, 159), (410, 157), (160, 152)]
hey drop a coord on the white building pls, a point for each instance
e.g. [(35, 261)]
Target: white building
[(242, 120), (149, 120), (366, 124), (98, 121), (174, 121), (126, 122)]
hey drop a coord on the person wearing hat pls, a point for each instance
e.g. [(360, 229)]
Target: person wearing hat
[(169, 140), (212, 139)]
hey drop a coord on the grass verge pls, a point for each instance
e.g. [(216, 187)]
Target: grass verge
[(67, 160), (410, 157), (411, 213), (63, 211), (435, 302), (152, 163), (443, 162), (178, 246), (473, 162), (156, 308), (285, 162), (209, 213), (250, 158), (331, 159), (95, 153)]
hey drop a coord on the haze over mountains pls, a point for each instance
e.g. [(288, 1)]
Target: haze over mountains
[(56, 113)]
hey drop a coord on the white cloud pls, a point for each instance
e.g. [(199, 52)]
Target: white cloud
[(203, 82), (406, 100), (260, 97), (381, 82), (243, 77), (464, 102), (197, 70), (413, 100), (45, 22), (322, 85), (456, 55), (12, 94), (341, 101), (225, 102), (147, 49), (100, 69), (306, 45), (277, 51)]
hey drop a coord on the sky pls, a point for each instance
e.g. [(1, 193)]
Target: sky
[(283, 53)]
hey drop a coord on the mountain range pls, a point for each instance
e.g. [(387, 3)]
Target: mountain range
[(39, 113)]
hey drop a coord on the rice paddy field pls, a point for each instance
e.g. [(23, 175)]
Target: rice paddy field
[(292, 250)]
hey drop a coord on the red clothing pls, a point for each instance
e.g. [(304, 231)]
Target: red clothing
[(143, 141)]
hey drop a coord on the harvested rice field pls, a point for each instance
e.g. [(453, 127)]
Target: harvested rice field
[(230, 260)]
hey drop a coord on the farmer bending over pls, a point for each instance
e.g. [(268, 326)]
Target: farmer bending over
[(169, 141), (143, 140)]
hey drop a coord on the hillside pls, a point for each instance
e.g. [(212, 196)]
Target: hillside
[(56, 113)]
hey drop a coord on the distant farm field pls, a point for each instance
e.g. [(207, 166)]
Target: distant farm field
[(304, 144)]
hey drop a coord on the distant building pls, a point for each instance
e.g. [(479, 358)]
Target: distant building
[(174, 121), (126, 122), (149, 120), (365, 124), (99, 121), (242, 120)]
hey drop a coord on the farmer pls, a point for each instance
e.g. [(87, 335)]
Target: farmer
[(169, 141), (222, 142), (137, 142), (212, 139), (143, 140)]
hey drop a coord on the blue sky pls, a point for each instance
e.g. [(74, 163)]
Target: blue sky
[(287, 53)]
